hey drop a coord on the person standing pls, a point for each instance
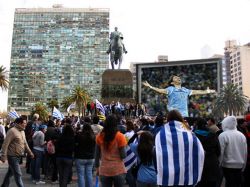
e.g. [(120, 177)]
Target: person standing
[(178, 95), (110, 148), (179, 154), (38, 150), (64, 154), (13, 148), (233, 152), (84, 155), (210, 142)]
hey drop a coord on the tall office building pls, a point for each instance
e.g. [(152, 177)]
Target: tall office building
[(54, 50), (239, 65)]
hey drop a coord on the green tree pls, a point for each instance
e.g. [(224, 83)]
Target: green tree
[(53, 103), (40, 109), (230, 101), (66, 102), (4, 82), (81, 97)]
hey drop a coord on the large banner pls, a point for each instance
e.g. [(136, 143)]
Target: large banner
[(196, 75)]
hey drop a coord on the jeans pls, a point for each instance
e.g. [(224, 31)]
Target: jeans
[(116, 181), (36, 164), (233, 177), (64, 166), (14, 169), (84, 172)]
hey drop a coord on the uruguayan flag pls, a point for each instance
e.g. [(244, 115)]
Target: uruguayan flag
[(13, 114), (130, 159), (179, 155), (57, 114), (100, 107), (72, 105)]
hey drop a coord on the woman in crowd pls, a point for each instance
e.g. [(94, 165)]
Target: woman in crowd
[(84, 155), (211, 146), (110, 148), (38, 150), (146, 174), (64, 154)]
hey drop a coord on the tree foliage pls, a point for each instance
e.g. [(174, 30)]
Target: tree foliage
[(4, 82), (80, 96), (230, 101), (53, 103), (40, 109)]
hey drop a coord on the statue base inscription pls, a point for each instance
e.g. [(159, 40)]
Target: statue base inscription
[(117, 85)]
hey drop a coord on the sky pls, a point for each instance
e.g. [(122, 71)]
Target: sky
[(181, 29)]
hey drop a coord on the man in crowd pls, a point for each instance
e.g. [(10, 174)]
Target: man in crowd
[(13, 148), (233, 152)]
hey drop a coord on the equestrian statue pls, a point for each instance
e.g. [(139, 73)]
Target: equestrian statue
[(116, 48)]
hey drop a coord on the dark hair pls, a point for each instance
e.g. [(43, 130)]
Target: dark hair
[(87, 131), (110, 129), (212, 120), (201, 124), (171, 80), (96, 119), (130, 126), (175, 115), (87, 119), (68, 131), (145, 148), (144, 122), (51, 123), (159, 120), (19, 120)]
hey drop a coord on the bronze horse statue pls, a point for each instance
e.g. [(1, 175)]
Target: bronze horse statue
[(116, 50)]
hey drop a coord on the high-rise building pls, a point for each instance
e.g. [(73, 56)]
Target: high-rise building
[(230, 46), (54, 50), (239, 63)]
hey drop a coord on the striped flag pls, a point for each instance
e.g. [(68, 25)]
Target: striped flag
[(71, 106), (179, 155), (100, 107), (13, 114), (57, 114), (130, 159)]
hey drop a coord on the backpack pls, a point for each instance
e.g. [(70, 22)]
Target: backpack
[(50, 147)]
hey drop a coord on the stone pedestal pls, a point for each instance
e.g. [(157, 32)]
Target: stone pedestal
[(117, 85)]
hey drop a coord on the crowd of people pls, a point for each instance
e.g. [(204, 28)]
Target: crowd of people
[(168, 150)]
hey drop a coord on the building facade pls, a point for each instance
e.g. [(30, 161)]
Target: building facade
[(239, 65), (54, 50)]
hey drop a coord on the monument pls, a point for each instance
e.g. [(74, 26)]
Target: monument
[(117, 84), (116, 48)]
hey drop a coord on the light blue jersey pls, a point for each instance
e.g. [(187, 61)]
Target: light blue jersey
[(178, 99)]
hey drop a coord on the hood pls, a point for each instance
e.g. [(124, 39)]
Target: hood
[(229, 123)]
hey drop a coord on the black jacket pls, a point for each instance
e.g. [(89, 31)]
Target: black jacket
[(65, 146), (211, 146), (84, 146)]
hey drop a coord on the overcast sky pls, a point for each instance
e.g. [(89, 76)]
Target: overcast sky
[(181, 29)]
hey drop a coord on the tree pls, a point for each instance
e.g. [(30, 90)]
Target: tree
[(81, 97), (230, 101), (52, 103), (3, 78), (66, 102), (40, 109)]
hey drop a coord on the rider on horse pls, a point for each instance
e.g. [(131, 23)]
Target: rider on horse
[(116, 48)]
